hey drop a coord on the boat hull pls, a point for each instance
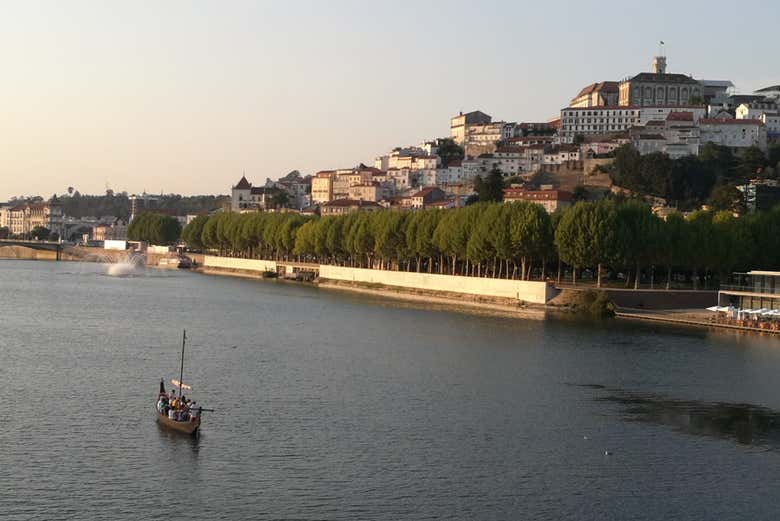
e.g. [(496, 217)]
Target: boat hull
[(190, 427)]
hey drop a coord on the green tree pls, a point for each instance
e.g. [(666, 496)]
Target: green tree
[(672, 244), (491, 188), (637, 233), (449, 151), (751, 161), (5, 232), (40, 233), (571, 237), (728, 198), (193, 232), (719, 161), (773, 156)]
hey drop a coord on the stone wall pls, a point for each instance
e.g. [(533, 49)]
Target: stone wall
[(228, 263), (526, 291)]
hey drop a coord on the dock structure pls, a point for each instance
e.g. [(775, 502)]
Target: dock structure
[(297, 270)]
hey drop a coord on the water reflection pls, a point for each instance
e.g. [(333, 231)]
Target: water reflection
[(174, 440), (739, 422)]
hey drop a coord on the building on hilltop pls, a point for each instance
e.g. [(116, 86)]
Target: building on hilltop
[(716, 91), (734, 133), (772, 92), (603, 94), (659, 88), (662, 112), (245, 197), (460, 123), (370, 191), (677, 136), (596, 120), (298, 188)]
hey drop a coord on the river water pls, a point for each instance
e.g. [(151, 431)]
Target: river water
[(336, 406)]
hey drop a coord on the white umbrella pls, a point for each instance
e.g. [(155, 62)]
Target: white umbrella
[(713, 308)]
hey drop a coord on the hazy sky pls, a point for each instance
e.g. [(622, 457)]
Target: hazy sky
[(183, 96)]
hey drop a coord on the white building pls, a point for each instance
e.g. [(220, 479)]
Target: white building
[(596, 120), (734, 133), (770, 93), (772, 122), (561, 154), (661, 113), (755, 109), (677, 136)]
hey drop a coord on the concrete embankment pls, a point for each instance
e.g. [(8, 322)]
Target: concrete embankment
[(494, 294)]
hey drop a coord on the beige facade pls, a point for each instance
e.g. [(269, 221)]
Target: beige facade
[(648, 89), (322, 187), (23, 218), (551, 200), (604, 94), (459, 124), (110, 232), (365, 192)]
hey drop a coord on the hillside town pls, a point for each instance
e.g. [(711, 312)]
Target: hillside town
[(575, 155), (555, 162)]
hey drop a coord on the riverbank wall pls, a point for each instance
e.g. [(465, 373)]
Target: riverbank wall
[(513, 290), (497, 291)]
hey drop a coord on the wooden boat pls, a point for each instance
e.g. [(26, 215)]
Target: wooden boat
[(189, 426)]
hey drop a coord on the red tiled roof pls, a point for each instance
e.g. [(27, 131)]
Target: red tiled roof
[(425, 191), (680, 116), (709, 121)]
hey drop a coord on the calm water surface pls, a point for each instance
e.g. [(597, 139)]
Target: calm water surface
[(335, 406)]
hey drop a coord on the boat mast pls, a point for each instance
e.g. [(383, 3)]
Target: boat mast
[(181, 370)]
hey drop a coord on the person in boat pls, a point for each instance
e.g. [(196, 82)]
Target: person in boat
[(171, 414), (194, 411)]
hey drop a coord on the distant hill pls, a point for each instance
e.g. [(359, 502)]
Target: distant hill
[(118, 205)]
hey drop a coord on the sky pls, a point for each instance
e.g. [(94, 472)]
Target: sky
[(185, 96)]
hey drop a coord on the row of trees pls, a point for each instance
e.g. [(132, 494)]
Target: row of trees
[(516, 240), (690, 181), (627, 236), (154, 228)]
